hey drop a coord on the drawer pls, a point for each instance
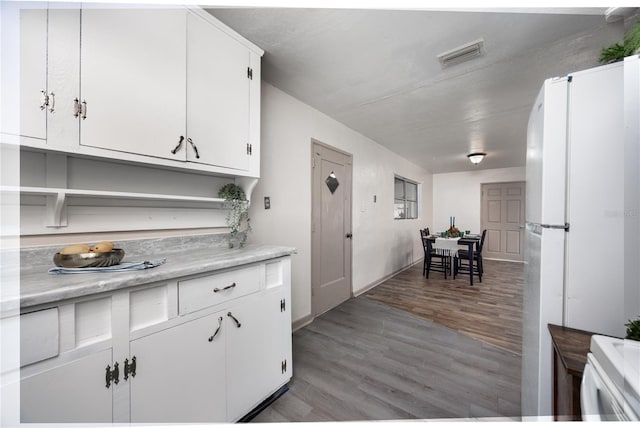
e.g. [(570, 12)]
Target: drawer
[(198, 293), (39, 336)]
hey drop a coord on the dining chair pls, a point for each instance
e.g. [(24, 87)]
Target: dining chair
[(432, 260), (461, 261)]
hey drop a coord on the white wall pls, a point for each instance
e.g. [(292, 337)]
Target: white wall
[(381, 245), (458, 194)]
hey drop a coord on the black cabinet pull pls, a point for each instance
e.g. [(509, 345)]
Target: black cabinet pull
[(217, 290), (234, 319), (176, 148), (195, 149), (217, 330)]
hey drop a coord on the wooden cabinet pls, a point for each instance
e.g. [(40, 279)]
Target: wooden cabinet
[(180, 373), (570, 349), (171, 87), (133, 356), (66, 392)]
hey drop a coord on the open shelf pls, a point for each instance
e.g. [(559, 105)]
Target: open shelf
[(58, 196)]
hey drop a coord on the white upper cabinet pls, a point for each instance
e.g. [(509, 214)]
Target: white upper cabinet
[(32, 121), (166, 86), (49, 75), (133, 80), (63, 76), (218, 86)]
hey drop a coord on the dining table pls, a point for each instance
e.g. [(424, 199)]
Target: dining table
[(469, 241)]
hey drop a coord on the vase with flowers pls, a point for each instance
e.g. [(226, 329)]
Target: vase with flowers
[(453, 232)]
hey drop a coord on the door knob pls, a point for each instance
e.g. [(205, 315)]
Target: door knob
[(349, 235)]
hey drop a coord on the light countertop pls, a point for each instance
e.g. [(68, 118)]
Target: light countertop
[(37, 286)]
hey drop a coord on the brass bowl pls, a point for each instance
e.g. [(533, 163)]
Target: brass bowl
[(83, 260)]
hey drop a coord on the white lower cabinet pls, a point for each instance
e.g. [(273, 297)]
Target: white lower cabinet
[(257, 356), (212, 362), (75, 391), (180, 373)]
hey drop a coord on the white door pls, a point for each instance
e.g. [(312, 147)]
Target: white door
[(69, 393), (217, 96), (180, 373), (133, 80), (256, 356), (502, 216), (331, 228)]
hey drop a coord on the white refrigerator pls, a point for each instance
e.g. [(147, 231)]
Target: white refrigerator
[(574, 237)]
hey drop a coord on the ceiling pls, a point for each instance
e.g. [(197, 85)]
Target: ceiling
[(377, 72)]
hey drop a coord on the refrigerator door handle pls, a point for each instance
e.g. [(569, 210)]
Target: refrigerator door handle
[(565, 226), (537, 227)]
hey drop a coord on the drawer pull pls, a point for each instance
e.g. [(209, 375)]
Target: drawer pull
[(217, 290), (234, 319), (217, 330)]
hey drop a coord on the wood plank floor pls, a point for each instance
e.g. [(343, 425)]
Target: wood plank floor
[(490, 311), (365, 360)]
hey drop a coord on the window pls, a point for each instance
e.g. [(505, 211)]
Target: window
[(405, 199)]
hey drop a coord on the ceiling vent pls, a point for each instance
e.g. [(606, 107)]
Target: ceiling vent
[(462, 53)]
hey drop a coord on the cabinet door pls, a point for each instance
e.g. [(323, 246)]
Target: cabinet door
[(217, 96), (72, 392), (32, 119), (49, 69), (180, 374), (63, 75), (256, 351), (133, 80)]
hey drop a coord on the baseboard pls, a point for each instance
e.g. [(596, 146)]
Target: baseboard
[(504, 260), (380, 281), (266, 403), (302, 322)]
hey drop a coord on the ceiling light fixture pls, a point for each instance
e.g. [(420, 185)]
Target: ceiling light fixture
[(462, 53), (476, 157)]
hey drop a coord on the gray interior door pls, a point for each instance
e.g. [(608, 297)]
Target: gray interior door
[(331, 228), (503, 216)]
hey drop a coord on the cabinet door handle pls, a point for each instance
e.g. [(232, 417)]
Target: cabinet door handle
[(176, 148), (76, 107), (52, 106), (84, 109), (217, 330), (45, 99), (234, 319), (217, 290), (195, 149)]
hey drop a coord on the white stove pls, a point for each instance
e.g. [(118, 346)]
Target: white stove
[(610, 389)]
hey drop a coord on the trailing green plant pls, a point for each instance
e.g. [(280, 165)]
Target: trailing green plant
[(617, 52), (633, 329), (238, 215)]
